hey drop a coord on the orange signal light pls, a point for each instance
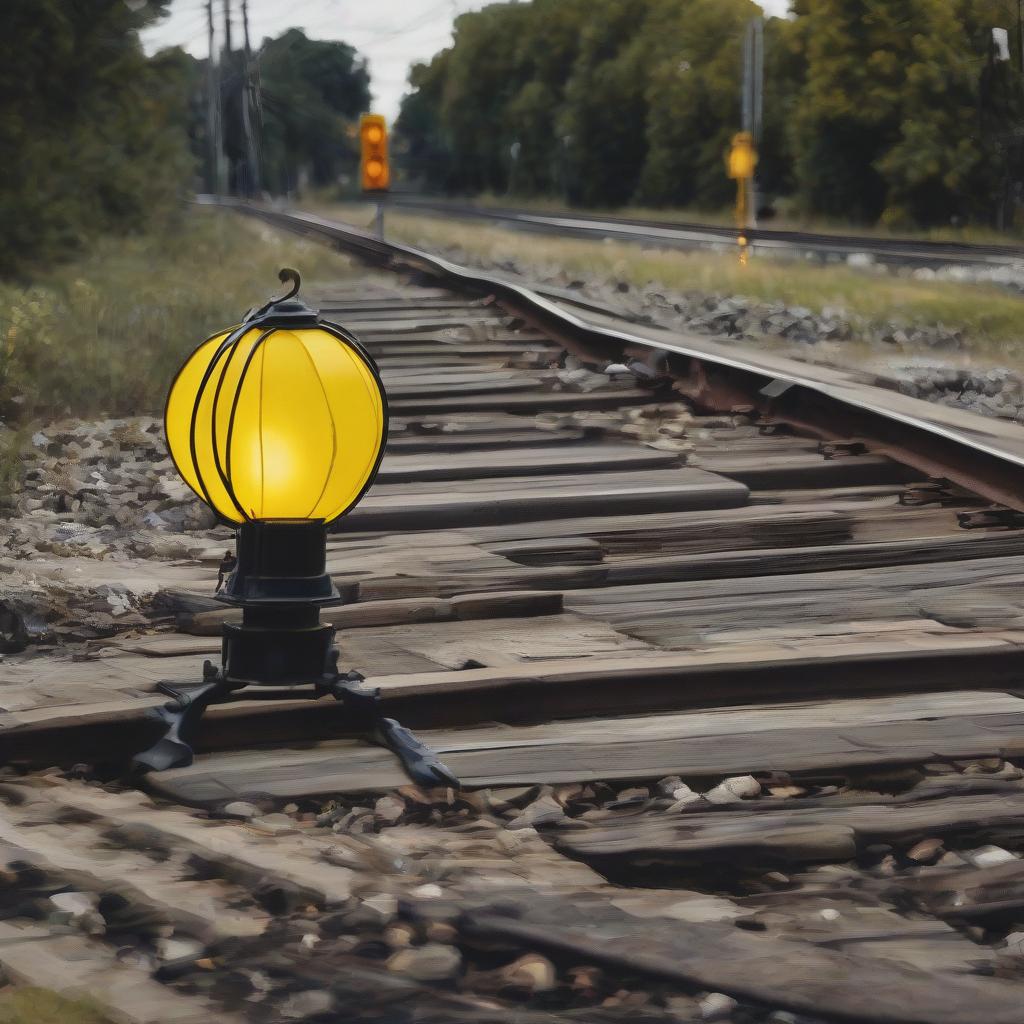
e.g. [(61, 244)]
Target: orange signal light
[(375, 170)]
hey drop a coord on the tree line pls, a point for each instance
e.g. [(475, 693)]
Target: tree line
[(894, 111), (903, 111), (97, 138), (92, 133)]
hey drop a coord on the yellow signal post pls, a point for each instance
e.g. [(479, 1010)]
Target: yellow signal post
[(740, 165), (374, 167)]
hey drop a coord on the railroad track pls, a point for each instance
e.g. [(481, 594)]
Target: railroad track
[(690, 234), (734, 696)]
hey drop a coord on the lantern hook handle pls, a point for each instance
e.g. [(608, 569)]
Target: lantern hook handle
[(287, 274), (284, 274)]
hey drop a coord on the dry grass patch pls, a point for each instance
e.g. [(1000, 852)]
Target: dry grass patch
[(40, 1006), (991, 318), (105, 334)]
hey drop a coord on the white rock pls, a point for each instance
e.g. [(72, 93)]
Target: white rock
[(242, 809), (384, 903), (276, 824), (829, 914), (310, 940), (988, 856), (543, 810), (716, 1006), (684, 800), (310, 1003), (739, 787), (174, 488), (179, 949), (860, 259), (700, 908), (1015, 943), (74, 904), (78, 909), (429, 891), (389, 809)]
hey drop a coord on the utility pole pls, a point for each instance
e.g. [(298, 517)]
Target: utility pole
[(232, 166), (1020, 31), (513, 152), (250, 114), (227, 27), (752, 97), (213, 145)]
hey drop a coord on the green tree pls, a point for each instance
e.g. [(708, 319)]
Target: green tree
[(874, 109), (605, 112), (886, 124), (481, 78), (785, 72), (546, 52), (182, 78), (692, 94), (500, 84), (313, 90), (421, 147), (990, 195), (89, 128), (931, 162)]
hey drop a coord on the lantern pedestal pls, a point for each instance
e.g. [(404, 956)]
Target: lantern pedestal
[(280, 582)]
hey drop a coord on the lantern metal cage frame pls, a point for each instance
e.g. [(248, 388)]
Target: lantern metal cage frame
[(284, 313), (279, 580)]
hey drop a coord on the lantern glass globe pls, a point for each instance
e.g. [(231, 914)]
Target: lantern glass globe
[(277, 423)]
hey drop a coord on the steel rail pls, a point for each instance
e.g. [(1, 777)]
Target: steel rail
[(570, 223), (982, 455)]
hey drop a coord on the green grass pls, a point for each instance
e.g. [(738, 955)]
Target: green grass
[(991, 319), (104, 335), (40, 1006)]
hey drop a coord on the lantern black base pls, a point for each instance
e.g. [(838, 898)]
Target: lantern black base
[(181, 716), (280, 582), (281, 562)]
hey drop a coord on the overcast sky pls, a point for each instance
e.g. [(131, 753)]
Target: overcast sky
[(391, 34)]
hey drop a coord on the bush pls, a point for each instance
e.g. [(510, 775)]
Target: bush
[(92, 133), (105, 335)]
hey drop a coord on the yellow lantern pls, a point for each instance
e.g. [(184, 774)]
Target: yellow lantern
[(279, 425), (282, 417)]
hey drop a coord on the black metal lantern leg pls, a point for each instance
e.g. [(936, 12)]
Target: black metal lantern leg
[(280, 583)]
